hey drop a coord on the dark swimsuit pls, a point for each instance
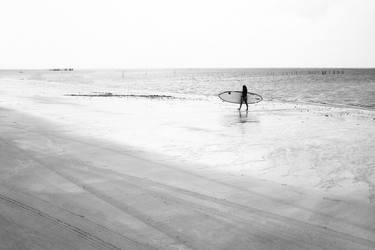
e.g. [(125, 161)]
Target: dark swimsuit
[(244, 97)]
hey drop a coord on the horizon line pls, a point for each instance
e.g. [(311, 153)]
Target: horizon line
[(177, 68)]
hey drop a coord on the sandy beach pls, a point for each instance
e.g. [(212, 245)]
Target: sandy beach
[(78, 174), (173, 125)]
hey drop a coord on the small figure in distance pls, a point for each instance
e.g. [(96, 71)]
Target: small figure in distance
[(244, 98)]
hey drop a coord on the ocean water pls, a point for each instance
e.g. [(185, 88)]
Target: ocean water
[(352, 87), (177, 116)]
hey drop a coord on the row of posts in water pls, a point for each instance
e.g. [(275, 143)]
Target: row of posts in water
[(246, 72), (296, 72), (312, 72), (253, 73), (62, 69), (278, 72)]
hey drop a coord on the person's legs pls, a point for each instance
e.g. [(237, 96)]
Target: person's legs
[(240, 104)]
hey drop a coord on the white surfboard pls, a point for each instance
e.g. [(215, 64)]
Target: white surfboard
[(235, 97)]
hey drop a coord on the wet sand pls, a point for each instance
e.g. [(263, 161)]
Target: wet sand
[(63, 192), (131, 172)]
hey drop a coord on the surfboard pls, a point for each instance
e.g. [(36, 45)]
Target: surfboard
[(235, 97)]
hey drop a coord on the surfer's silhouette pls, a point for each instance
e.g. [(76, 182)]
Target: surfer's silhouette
[(244, 98)]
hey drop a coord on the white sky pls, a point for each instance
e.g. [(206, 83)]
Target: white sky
[(186, 33)]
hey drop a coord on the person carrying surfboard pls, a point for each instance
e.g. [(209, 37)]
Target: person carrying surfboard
[(244, 98)]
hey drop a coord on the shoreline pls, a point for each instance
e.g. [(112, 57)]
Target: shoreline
[(113, 94), (144, 203), (304, 145), (328, 105)]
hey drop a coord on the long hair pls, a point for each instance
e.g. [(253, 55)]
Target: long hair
[(244, 89)]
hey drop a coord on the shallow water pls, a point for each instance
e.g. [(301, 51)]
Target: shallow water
[(310, 146), (353, 87)]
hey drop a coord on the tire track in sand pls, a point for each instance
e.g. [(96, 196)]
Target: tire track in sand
[(178, 242), (92, 239), (224, 209)]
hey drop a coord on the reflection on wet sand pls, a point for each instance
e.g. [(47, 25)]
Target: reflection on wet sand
[(244, 118)]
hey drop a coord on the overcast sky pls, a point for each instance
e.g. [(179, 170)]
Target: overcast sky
[(191, 33)]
